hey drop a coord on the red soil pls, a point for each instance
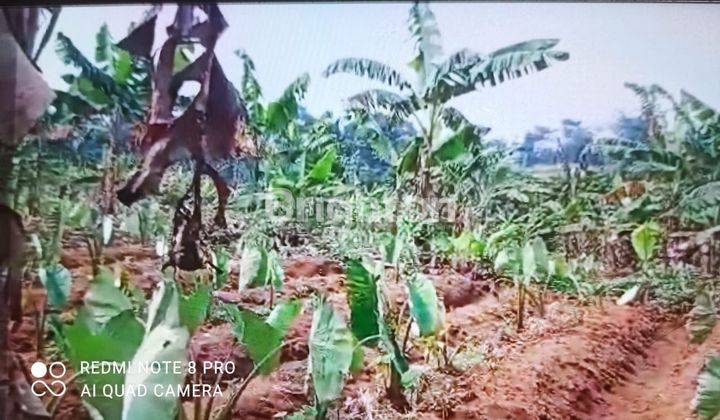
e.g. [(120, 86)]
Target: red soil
[(575, 362)]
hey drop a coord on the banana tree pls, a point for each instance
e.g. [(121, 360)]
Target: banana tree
[(297, 149), (113, 80), (679, 159), (445, 132)]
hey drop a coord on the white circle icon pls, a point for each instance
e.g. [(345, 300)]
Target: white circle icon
[(38, 369)]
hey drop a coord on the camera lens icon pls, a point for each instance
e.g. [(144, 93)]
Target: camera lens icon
[(56, 370)]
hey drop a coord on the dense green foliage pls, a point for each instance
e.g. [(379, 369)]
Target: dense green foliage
[(400, 182)]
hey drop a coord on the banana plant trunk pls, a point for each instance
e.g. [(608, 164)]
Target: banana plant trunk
[(521, 306)]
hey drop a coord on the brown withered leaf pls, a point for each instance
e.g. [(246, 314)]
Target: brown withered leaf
[(140, 41), (207, 130)]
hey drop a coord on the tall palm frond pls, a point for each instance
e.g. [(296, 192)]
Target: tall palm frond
[(103, 45), (297, 89), (424, 30), (249, 86), (371, 69), (71, 55), (125, 91), (456, 70), (373, 100), (518, 59), (502, 65), (455, 120)]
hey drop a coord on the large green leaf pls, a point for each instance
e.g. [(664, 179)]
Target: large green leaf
[(104, 300), (426, 35), (116, 341), (250, 88), (499, 238), (122, 66), (331, 353), (94, 95), (529, 263), (165, 343), (362, 299), (165, 340), (222, 264), (707, 396), (455, 120), (103, 45), (502, 260), (521, 58), (253, 267), (374, 100), (322, 169), (409, 160), (164, 307), (276, 117), (455, 146), (702, 318), (194, 307), (645, 240), (283, 315), (424, 306), (392, 248), (260, 340), (57, 281), (276, 274), (500, 66), (540, 252), (455, 72)]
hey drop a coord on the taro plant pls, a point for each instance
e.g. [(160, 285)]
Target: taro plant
[(109, 328), (263, 338), (702, 318), (427, 314), (260, 267), (525, 265), (707, 395), (373, 322), (147, 222), (222, 260), (98, 231), (53, 275), (332, 350), (645, 240), (165, 339)]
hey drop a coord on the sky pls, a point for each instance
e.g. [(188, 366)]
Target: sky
[(674, 45)]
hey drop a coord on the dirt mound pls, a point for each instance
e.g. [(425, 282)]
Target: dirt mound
[(306, 266), (458, 290), (665, 384), (283, 391), (217, 344), (563, 374)]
